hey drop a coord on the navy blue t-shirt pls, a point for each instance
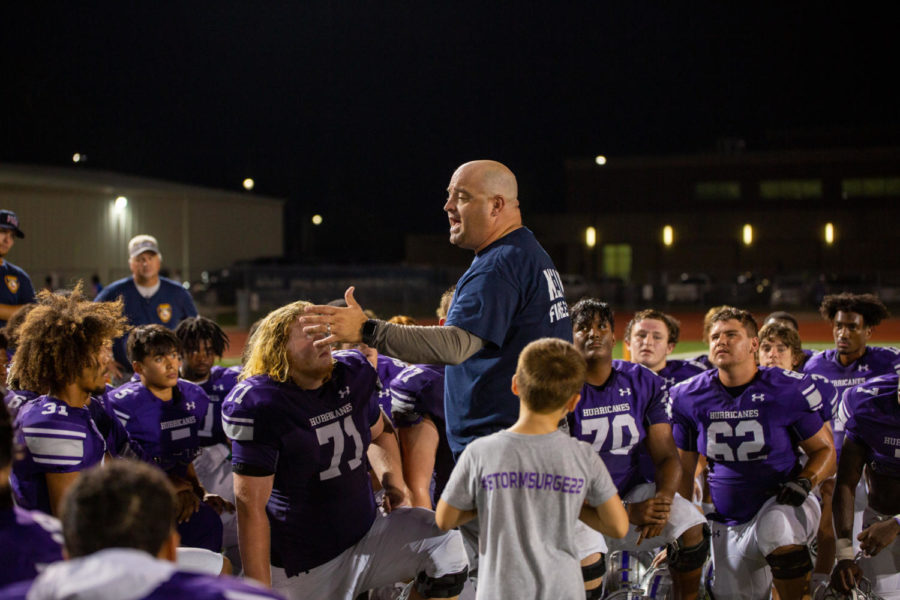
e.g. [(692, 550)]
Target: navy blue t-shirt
[(510, 296), (170, 305), (15, 286)]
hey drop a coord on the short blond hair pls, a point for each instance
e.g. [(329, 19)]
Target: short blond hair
[(550, 371), (267, 348)]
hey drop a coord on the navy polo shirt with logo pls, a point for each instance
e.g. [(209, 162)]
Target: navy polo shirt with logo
[(15, 287), (170, 305)]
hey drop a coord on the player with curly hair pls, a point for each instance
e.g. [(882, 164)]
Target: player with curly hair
[(68, 343)]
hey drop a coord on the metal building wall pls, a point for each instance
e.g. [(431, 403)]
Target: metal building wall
[(73, 229)]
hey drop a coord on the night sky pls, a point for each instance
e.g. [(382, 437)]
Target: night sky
[(360, 111)]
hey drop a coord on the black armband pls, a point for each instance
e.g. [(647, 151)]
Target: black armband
[(251, 470)]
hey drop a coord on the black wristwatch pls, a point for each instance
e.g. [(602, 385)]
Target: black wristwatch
[(368, 332)]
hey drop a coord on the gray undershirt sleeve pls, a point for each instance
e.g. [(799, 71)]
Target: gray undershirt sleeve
[(447, 345)]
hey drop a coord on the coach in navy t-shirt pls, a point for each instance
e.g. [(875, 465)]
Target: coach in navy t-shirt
[(148, 298), (15, 286), (510, 296)]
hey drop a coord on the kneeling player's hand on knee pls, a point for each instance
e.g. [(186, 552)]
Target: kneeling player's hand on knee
[(794, 492), (877, 537), (845, 575), (650, 531), (653, 511)]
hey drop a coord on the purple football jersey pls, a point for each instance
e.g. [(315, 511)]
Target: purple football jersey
[(830, 397), (677, 370), (168, 432), (416, 391), (57, 438), (220, 381), (118, 442), (874, 362), (703, 360), (29, 540), (387, 368), (750, 441), (314, 441), (14, 400), (614, 418), (871, 417)]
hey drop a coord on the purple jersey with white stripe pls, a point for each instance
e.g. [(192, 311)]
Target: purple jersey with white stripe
[(830, 397), (119, 443), (314, 441), (416, 391), (871, 416), (57, 438), (14, 399), (221, 380), (615, 416), (703, 360), (874, 362), (168, 432), (387, 368), (29, 540), (750, 441), (677, 370)]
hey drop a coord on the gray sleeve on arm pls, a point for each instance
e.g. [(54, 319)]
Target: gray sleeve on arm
[(426, 345)]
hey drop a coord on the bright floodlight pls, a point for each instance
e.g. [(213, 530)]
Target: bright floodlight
[(829, 233), (121, 203), (248, 184), (76, 157), (590, 237), (668, 235), (748, 235), (600, 160), (317, 219)]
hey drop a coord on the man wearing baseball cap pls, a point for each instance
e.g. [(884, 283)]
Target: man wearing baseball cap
[(148, 298), (15, 287)]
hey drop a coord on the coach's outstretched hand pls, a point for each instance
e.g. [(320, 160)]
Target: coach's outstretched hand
[(339, 324)]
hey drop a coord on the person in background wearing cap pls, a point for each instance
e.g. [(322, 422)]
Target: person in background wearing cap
[(16, 289), (148, 298)]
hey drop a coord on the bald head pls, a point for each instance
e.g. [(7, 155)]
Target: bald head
[(482, 204), (495, 177)]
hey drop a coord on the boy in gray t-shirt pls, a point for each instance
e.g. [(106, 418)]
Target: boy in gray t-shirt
[(529, 485)]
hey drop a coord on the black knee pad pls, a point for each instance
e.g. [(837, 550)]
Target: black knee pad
[(790, 565), (594, 570), (445, 586), (594, 594), (685, 559)]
